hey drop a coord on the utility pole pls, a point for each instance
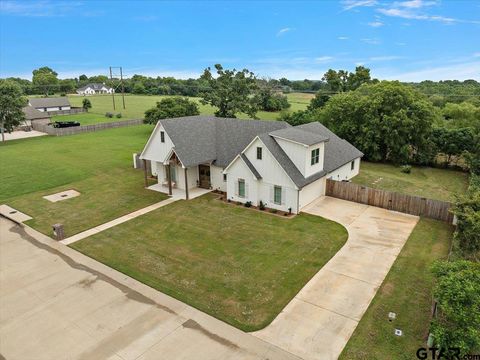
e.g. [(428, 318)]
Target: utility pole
[(113, 92), (116, 78)]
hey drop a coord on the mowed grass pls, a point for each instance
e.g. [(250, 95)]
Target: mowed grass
[(98, 165), (136, 105), (433, 183), (237, 264), (406, 291), (86, 118)]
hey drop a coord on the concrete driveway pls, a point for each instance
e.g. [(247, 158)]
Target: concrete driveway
[(56, 303), (318, 322)]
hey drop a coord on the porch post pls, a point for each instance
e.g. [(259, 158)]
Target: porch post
[(169, 174), (145, 172), (186, 185)]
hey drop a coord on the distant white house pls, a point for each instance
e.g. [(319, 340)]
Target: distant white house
[(284, 167), (50, 104), (95, 88)]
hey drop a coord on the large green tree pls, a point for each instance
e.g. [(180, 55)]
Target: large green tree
[(171, 107), (388, 121), (231, 92), (457, 290), (45, 79), (11, 103)]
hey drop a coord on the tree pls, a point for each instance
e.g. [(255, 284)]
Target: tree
[(86, 104), (139, 88), (268, 100), (44, 78), (83, 77), (457, 324), (453, 142), (467, 211), (359, 77), (461, 115), (11, 103), (318, 101), (171, 107), (297, 117), (387, 121), (231, 92)]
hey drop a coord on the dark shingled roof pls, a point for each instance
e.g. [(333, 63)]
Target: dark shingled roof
[(31, 113), (49, 102), (250, 166), (338, 151), (299, 136), (200, 139)]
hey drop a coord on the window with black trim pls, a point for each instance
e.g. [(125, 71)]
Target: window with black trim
[(162, 136), (259, 153), (224, 177), (241, 188), (315, 157), (352, 165)]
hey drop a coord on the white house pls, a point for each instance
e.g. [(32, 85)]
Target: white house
[(251, 160), (95, 88), (50, 104)]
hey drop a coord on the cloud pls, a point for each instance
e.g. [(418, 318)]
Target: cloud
[(370, 41), (283, 31), (376, 23), (323, 59), (463, 71), (351, 4), (477, 54), (342, 38), (412, 10), (41, 8)]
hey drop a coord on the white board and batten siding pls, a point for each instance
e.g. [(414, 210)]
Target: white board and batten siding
[(155, 149), (311, 192), (216, 178), (345, 172), (261, 190), (301, 156)]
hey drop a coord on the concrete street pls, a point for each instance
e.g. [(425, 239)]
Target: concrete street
[(56, 303)]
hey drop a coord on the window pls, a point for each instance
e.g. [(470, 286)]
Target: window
[(352, 165), (224, 177), (59, 108), (241, 188), (259, 153), (162, 136), (315, 156), (277, 195), (44, 109)]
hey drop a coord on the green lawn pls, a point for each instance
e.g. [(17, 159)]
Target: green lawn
[(137, 104), (239, 265), (407, 291), (86, 118), (433, 183), (98, 165)]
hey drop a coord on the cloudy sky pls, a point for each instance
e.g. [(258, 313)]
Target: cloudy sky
[(407, 40)]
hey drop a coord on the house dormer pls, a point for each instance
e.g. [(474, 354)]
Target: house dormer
[(305, 149)]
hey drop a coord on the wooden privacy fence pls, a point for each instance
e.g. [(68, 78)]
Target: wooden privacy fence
[(414, 205), (85, 128)]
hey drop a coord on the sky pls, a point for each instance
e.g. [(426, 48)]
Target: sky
[(411, 40)]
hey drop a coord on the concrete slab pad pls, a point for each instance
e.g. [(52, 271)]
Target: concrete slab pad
[(63, 195), (13, 214), (16, 135), (309, 331), (339, 293)]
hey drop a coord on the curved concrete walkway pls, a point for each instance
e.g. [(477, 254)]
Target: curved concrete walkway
[(318, 322)]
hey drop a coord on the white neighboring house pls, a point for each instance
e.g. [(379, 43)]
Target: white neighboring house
[(95, 88), (50, 104), (251, 160)]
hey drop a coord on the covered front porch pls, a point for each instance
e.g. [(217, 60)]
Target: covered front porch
[(180, 181), (180, 193)]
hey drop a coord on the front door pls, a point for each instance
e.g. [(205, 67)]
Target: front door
[(204, 176)]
